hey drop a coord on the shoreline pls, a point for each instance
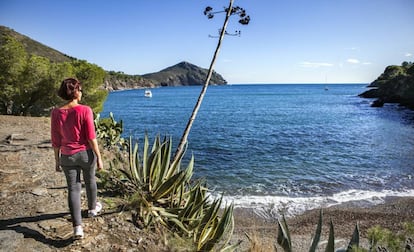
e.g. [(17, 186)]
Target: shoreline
[(268, 206), (390, 214)]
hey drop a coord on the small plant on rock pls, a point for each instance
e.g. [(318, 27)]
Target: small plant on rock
[(109, 132)]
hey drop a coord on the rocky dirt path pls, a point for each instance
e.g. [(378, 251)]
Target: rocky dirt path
[(33, 210)]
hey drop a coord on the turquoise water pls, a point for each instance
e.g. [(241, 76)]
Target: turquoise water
[(274, 144)]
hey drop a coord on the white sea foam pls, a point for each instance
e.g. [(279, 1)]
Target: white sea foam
[(274, 206)]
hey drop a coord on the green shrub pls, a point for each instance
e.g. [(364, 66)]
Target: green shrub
[(382, 238), (109, 132)]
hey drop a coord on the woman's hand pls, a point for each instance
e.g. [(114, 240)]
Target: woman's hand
[(99, 164), (57, 159), (94, 145)]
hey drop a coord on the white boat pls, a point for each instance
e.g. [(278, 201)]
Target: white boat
[(148, 93)]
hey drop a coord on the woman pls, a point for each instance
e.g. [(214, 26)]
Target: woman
[(76, 150)]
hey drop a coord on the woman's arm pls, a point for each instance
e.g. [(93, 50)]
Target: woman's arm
[(94, 145)]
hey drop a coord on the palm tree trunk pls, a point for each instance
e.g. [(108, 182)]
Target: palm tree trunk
[(184, 137)]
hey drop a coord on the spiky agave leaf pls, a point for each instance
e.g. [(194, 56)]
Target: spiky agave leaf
[(354, 242), (317, 236), (221, 227), (176, 181), (165, 159), (144, 160), (330, 247), (189, 170), (195, 204), (205, 228), (225, 227), (169, 217), (283, 236), (215, 229), (153, 168), (232, 248), (156, 164), (176, 164), (168, 186)]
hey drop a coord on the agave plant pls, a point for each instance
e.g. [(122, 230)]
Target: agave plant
[(163, 193), (284, 239), (158, 184)]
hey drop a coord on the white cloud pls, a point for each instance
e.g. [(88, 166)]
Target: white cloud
[(408, 54), (315, 64), (366, 63), (352, 61)]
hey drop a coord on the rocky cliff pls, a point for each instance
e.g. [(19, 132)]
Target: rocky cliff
[(394, 85), (120, 81)]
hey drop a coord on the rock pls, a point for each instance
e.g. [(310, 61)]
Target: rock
[(40, 209), (3, 194), (371, 93), (377, 103), (10, 240), (13, 241), (39, 191)]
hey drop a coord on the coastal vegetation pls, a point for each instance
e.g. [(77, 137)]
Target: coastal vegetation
[(49, 66), (28, 81), (394, 85)]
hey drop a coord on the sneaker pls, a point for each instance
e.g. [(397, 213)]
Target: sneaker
[(78, 232), (95, 212)]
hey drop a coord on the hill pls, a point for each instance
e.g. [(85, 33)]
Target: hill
[(181, 74), (184, 74), (394, 85), (33, 47)]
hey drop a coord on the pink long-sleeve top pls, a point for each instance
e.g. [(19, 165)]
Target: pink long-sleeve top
[(72, 128)]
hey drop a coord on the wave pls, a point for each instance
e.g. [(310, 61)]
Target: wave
[(271, 207)]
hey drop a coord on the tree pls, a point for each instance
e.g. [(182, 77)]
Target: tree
[(13, 59), (244, 20), (92, 77), (29, 83)]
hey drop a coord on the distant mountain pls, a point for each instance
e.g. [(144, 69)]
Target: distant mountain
[(184, 74)]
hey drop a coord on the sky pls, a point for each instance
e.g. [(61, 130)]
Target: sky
[(289, 41)]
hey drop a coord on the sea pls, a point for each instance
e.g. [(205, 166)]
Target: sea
[(281, 148)]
